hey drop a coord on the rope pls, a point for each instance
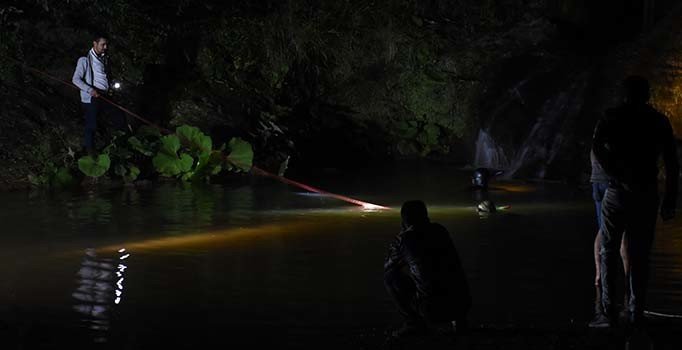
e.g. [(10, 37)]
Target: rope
[(254, 169), (659, 314), (161, 129)]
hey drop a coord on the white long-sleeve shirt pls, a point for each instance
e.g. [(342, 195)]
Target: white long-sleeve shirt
[(90, 74), (100, 82)]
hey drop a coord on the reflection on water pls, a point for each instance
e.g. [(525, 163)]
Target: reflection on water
[(240, 259), (94, 209), (99, 286), (95, 293)]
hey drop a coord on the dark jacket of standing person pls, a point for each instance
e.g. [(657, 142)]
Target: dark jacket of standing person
[(628, 142), (597, 175), (423, 272)]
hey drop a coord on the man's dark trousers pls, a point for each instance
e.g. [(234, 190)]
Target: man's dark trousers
[(635, 212), (92, 110), (403, 290)]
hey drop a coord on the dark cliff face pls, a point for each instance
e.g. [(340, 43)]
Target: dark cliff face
[(540, 118), (336, 83)]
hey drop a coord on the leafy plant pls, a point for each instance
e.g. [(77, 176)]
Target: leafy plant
[(195, 140), (140, 146), (124, 151), (425, 135), (168, 162), (53, 177), (62, 177), (129, 172), (428, 138), (209, 164), (407, 129), (187, 155), (94, 167), (178, 153), (241, 155)]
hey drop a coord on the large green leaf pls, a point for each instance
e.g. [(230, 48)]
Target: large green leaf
[(167, 161), (118, 150), (209, 164), (171, 166), (62, 177), (94, 167), (241, 155), (139, 146), (133, 173), (194, 139), (129, 172)]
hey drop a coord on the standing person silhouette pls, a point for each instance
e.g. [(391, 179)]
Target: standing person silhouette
[(92, 77), (600, 182), (628, 142)]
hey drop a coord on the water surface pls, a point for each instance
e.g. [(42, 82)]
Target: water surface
[(262, 263)]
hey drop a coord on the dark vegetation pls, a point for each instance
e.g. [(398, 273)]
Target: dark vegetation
[(337, 83)]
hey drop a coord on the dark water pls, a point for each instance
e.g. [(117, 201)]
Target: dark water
[(260, 263)]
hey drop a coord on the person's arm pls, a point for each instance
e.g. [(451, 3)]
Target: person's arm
[(603, 151), (394, 259), (414, 260), (672, 172), (78, 78)]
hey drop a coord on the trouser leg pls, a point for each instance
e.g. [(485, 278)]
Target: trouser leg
[(597, 299), (641, 236), (598, 191), (597, 264), (402, 290), (90, 112), (614, 216), (625, 257), (116, 117)]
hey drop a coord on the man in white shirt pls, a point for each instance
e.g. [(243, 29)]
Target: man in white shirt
[(92, 78)]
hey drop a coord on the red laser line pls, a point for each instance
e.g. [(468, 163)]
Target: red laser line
[(365, 205), (254, 169)]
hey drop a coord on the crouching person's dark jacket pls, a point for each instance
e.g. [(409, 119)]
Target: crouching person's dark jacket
[(427, 255)]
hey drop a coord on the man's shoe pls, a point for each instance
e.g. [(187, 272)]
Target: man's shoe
[(624, 316), (443, 328), (600, 320), (632, 320), (410, 330)]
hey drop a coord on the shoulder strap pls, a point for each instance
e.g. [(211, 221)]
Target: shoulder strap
[(92, 71)]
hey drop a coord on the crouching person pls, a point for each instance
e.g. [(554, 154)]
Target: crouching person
[(424, 276)]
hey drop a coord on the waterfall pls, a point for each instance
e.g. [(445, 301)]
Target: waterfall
[(530, 147), (545, 139), (488, 153)]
